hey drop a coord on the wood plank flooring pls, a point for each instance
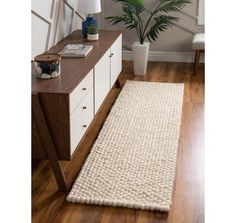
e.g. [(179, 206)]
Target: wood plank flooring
[(49, 205)]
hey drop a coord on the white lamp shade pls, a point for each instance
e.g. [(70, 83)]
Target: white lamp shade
[(89, 6)]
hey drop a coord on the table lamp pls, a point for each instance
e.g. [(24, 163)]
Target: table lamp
[(89, 7)]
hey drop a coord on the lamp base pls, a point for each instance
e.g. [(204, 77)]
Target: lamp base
[(89, 21)]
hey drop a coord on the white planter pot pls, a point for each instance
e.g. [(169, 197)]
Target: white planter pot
[(140, 57), (92, 37)]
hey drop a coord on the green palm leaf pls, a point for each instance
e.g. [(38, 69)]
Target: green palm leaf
[(127, 19), (172, 5), (162, 23), (134, 6)]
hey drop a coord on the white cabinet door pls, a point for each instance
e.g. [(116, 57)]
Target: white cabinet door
[(101, 80), (116, 60)]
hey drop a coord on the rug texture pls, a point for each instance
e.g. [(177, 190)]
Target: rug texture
[(133, 161)]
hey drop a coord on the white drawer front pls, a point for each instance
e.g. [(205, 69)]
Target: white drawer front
[(80, 120), (80, 91)]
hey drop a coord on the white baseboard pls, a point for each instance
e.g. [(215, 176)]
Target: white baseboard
[(166, 56)]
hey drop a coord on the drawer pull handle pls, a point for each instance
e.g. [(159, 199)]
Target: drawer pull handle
[(84, 126), (84, 107), (111, 54), (84, 89)]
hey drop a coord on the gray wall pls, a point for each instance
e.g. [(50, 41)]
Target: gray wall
[(175, 39)]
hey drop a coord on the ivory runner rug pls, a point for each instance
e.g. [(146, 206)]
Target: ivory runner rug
[(133, 161)]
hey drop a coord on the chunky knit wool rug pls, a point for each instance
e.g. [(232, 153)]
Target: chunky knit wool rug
[(133, 161)]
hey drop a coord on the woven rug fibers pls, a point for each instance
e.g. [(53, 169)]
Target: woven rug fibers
[(132, 163)]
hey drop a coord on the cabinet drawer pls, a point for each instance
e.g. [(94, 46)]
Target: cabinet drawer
[(80, 91), (80, 120)]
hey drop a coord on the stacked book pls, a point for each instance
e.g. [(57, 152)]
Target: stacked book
[(76, 50)]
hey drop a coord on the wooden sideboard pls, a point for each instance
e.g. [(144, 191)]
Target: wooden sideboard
[(64, 107)]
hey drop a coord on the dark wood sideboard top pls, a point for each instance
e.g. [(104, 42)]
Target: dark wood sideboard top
[(73, 70)]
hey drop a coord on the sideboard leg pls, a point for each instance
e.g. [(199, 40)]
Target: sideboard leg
[(117, 83), (47, 140), (59, 175)]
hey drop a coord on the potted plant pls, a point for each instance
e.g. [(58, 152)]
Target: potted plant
[(158, 21), (92, 32)]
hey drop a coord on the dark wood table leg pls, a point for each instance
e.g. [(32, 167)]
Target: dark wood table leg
[(196, 61), (49, 146), (59, 175)]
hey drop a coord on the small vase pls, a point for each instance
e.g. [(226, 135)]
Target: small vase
[(140, 57)]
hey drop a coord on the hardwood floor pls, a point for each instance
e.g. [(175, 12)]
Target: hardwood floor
[(49, 205)]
